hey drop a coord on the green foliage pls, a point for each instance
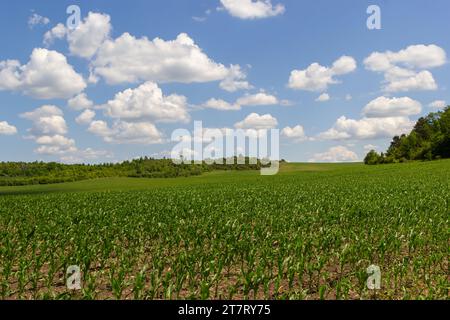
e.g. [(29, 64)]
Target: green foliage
[(22, 173), (372, 158), (307, 233), (429, 140)]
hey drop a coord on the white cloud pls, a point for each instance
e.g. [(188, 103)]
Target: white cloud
[(413, 57), (127, 133), (100, 128), (369, 147), (235, 80), (128, 59), (86, 38), (392, 107), (348, 97), (47, 120), (49, 128), (48, 131), (438, 104), (335, 154), (414, 82), (46, 76), (344, 65), (252, 9), (80, 156), (258, 99), (49, 125), (80, 102), (296, 133), (318, 78), (7, 129), (86, 117), (323, 97), (66, 149), (220, 104), (402, 69), (36, 19), (90, 153), (257, 122), (57, 32), (147, 102), (55, 145), (46, 110), (367, 128)]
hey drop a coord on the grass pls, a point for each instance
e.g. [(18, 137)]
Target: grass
[(123, 184), (309, 232)]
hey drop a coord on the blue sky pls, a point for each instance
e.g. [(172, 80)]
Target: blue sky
[(370, 96)]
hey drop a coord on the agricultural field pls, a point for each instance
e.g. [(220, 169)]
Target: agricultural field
[(309, 232)]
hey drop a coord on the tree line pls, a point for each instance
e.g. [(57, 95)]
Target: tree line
[(27, 173), (429, 140)]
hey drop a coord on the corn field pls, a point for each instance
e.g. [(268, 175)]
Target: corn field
[(303, 234)]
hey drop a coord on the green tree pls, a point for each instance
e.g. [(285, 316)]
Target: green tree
[(372, 158)]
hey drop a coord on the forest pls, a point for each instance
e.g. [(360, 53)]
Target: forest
[(429, 140), (27, 173)]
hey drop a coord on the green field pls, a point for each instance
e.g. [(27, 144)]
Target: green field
[(309, 232)]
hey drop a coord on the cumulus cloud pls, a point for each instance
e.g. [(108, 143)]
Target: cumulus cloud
[(252, 9), (235, 80), (392, 107), (405, 70), (47, 120), (147, 101), (7, 129), (80, 102), (323, 97), (258, 99), (46, 76), (413, 57), (36, 19), (257, 122), (127, 133), (335, 154), (48, 131), (80, 156), (55, 145), (86, 117), (128, 59), (317, 77), (219, 104), (67, 151), (367, 128), (403, 80), (438, 104), (296, 133), (57, 32), (86, 38)]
